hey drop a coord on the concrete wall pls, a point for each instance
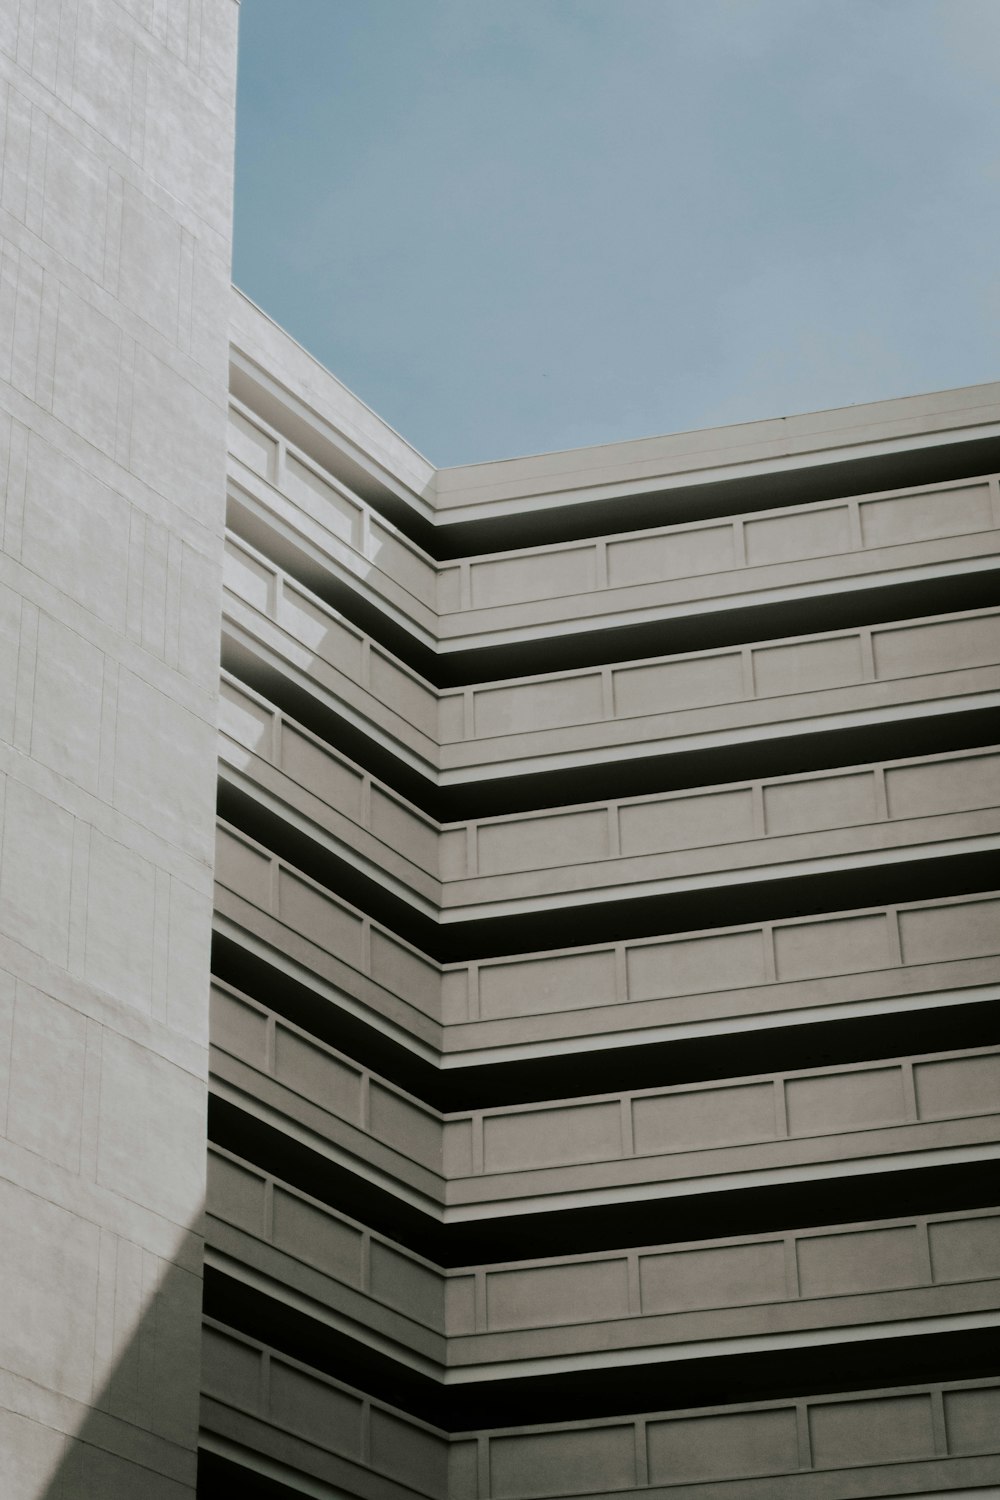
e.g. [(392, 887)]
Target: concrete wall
[(116, 211), (605, 1089)]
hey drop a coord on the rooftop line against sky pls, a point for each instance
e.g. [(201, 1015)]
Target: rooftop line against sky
[(519, 225)]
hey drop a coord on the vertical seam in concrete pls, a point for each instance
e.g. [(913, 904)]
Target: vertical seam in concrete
[(66, 55), (793, 1289), (136, 568), (79, 897), (123, 412), (641, 1442), (108, 733), (48, 334), (172, 601), (137, 123), (8, 304), (994, 489), (739, 545), (939, 1426), (92, 1091), (17, 475), (185, 297), (113, 229), (472, 992), (34, 206), (803, 1435), (24, 693), (160, 941)]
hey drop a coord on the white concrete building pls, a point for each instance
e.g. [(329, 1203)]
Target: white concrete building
[(603, 1084)]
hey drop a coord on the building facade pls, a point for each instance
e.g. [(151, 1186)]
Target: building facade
[(598, 1094)]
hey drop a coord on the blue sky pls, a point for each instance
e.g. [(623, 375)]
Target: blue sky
[(520, 225)]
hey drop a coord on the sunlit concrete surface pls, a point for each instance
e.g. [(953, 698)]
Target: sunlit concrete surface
[(601, 1070)]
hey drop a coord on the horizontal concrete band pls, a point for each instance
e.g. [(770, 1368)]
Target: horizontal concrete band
[(270, 534), (608, 1359), (430, 1200)]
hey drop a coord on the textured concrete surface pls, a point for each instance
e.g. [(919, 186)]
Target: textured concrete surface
[(115, 215)]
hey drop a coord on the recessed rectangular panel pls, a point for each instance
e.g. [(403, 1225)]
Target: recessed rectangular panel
[(230, 1370), (696, 1119), (319, 1237), (840, 945), (819, 802), (940, 786), (870, 1260), (319, 1411), (957, 1086), (965, 1249), (541, 843), (691, 966), (870, 1432), (245, 720), (671, 554), (244, 576), (319, 630), (320, 772), (729, 1276), (407, 833), (568, 982), (242, 868), (860, 1100), (685, 683), (319, 917), (811, 533), (405, 1283), (543, 1296), (321, 501), (806, 666), (972, 1420), (686, 822), (402, 692), (235, 1194), (944, 646), (538, 705), (402, 563), (551, 1137), (720, 1447), (251, 446), (562, 1463), (914, 518), (546, 575), (399, 1123), (316, 1074), (413, 978), (404, 1451), (960, 929), (238, 1028)]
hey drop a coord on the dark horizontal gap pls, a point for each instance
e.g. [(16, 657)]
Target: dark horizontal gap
[(324, 1019), (223, 1479), (277, 1153), (711, 629), (317, 576), (726, 906), (774, 755), (699, 630), (735, 1054), (331, 727), (729, 905), (611, 1226), (538, 526), (574, 1395)]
